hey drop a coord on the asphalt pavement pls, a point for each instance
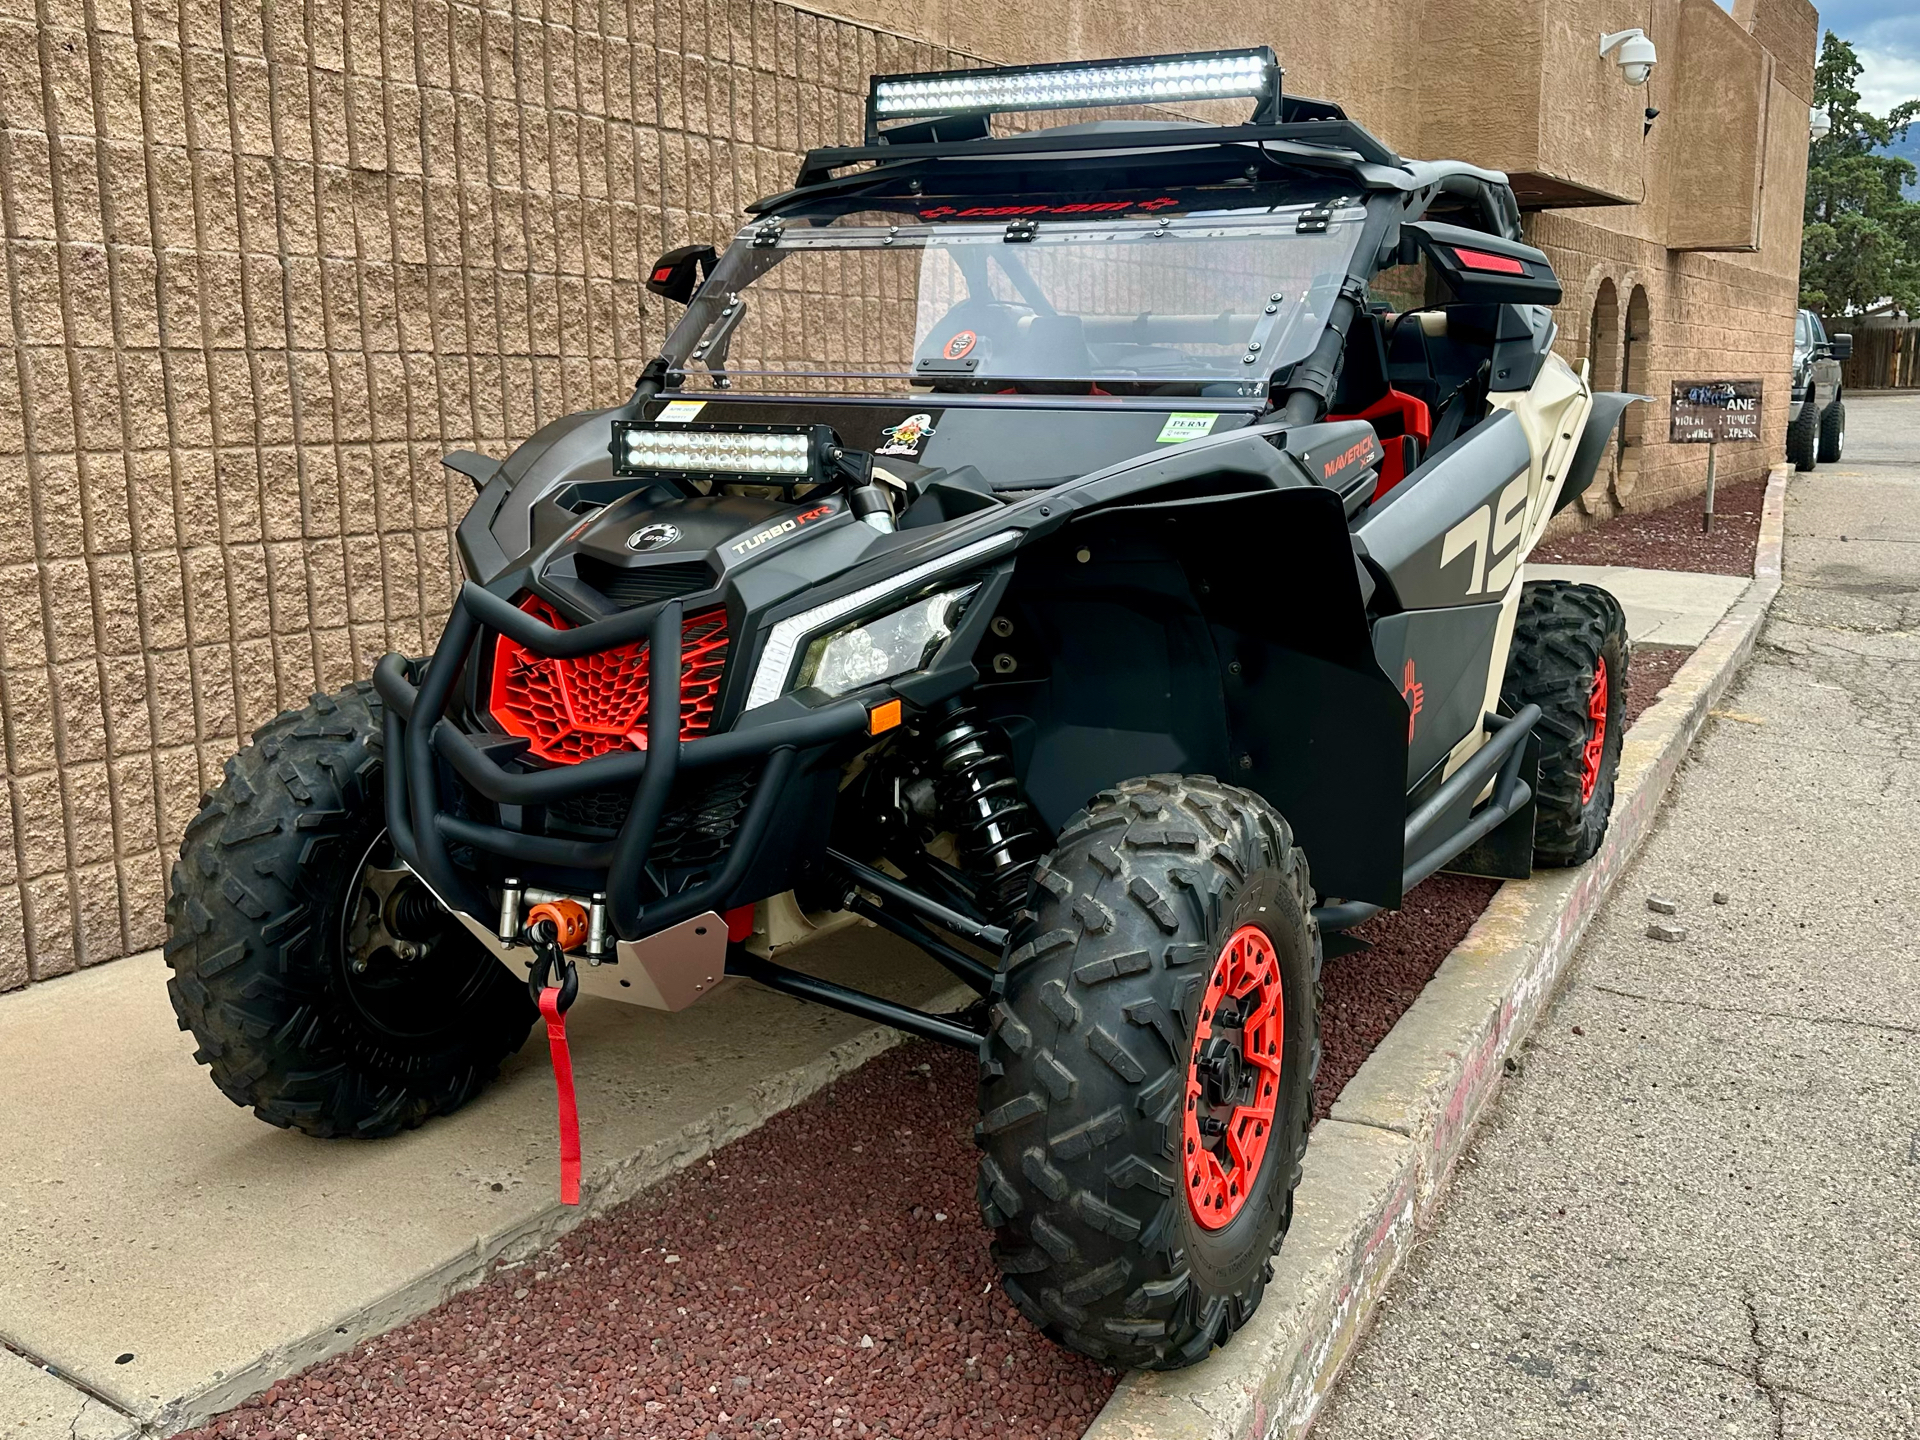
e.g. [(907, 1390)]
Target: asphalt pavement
[(1695, 1208)]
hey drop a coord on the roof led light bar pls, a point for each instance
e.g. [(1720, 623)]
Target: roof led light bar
[(1140, 80), (776, 452)]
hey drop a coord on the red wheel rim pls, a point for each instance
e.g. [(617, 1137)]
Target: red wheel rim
[(1233, 1077), (1597, 736)]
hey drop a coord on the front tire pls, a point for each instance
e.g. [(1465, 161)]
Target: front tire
[(1570, 656), (1803, 437), (1147, 1085), (1833, 431), (288, 919)]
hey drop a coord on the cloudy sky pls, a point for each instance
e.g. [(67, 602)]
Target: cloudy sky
[(1886, 35)]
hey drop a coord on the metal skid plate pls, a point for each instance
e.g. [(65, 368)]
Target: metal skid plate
[(668, 971)]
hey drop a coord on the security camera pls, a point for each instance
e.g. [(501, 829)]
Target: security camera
[(1819, 125), (1637, 55)]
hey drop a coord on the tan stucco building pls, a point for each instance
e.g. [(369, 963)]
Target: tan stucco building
[(265, 262)]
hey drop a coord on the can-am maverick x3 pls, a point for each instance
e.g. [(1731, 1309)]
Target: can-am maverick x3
[(1055, 548)]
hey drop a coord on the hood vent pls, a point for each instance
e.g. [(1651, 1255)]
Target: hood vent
[(644, 586)]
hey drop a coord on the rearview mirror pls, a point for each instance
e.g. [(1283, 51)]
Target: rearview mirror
[(1841, 345), (678, 273)]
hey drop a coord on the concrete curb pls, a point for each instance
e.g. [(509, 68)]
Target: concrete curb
[(1377, 1169), (601, 1188)]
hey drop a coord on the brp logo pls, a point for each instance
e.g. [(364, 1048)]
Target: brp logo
[(653, 537)]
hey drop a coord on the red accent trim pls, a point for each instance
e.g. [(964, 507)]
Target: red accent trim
[(1415, 694), (1493, 264), (1413, 417), (1595, 748), (563, 1090), (663, 274), (1248, 967), (578, 709), (739, 922)]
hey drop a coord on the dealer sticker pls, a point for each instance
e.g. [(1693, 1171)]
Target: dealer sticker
[(678, 412), (1186, 425)]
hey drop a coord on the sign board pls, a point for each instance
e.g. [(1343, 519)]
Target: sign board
[(1708, 412)]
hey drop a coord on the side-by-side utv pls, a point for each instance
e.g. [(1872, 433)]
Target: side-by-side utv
[(1092, 554)]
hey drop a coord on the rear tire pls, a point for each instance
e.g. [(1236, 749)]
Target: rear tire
[(1803, 437), (1570, 657), (1164, 889), (263, 945), (1833, 432)]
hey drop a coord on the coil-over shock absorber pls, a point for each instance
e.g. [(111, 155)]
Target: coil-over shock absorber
[(997, 836)]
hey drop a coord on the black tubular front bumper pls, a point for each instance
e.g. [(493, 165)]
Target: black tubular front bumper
[(419, 738)]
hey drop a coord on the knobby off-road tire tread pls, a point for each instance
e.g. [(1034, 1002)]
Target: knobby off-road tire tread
[(1561, 629), (1803, 438), (1084, 1071), (1833, 432), (247, 914)]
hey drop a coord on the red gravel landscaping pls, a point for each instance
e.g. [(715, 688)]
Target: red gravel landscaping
[(824, 1276), (1651, 670), (1670, 539)]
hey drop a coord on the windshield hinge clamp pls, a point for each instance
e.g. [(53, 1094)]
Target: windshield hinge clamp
[(767, 236), (1022, 231), (1315, 219)]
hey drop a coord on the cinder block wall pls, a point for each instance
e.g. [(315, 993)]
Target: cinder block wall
[(264, 263)]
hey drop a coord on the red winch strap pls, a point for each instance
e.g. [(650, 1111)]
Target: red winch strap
[(563, 1087)]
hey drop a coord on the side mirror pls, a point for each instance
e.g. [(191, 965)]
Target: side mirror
[(1841, 345), (1483, 269), (678, 273)]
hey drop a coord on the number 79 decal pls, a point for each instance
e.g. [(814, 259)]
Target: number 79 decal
[(1492, 533)]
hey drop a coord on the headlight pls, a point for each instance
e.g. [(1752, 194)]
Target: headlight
[(776, 660), (876, 650)]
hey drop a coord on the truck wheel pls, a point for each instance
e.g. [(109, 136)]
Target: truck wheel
[(1833, 432), (327, 987), (1803, 437), (1147, 1084), (1570, 656)]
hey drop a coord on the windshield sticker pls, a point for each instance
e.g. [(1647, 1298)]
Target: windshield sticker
[(678, 412), (1186, 425), (960, 345), (907, 438), (1078, 207)]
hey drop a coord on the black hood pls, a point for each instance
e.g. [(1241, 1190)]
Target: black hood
[(640, 550)]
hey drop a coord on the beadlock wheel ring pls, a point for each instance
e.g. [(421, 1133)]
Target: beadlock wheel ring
[(1233, 1088), (1596, 746)]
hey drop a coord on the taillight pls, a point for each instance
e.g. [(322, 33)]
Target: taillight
[(574, 710)]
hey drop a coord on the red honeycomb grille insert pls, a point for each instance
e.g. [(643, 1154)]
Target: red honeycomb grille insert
[(574, 710)]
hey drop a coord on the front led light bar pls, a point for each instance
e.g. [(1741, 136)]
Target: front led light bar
[(778, 453), (1144, 80)]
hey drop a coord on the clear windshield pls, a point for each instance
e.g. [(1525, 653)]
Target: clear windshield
[(1208, 304)]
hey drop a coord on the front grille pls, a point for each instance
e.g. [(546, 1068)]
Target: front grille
[(701, 816), (573, 710), (644, 586)]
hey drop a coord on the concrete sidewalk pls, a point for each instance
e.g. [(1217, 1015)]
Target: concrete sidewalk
[(171, 1254), (1664, 607), (1696, 1209)]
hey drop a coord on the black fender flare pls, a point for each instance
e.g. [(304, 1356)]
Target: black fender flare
[(1602, 420)]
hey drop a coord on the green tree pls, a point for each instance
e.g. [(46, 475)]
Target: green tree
[(1862, 239)]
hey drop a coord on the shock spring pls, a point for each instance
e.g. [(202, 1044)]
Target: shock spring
[(998, 838)]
